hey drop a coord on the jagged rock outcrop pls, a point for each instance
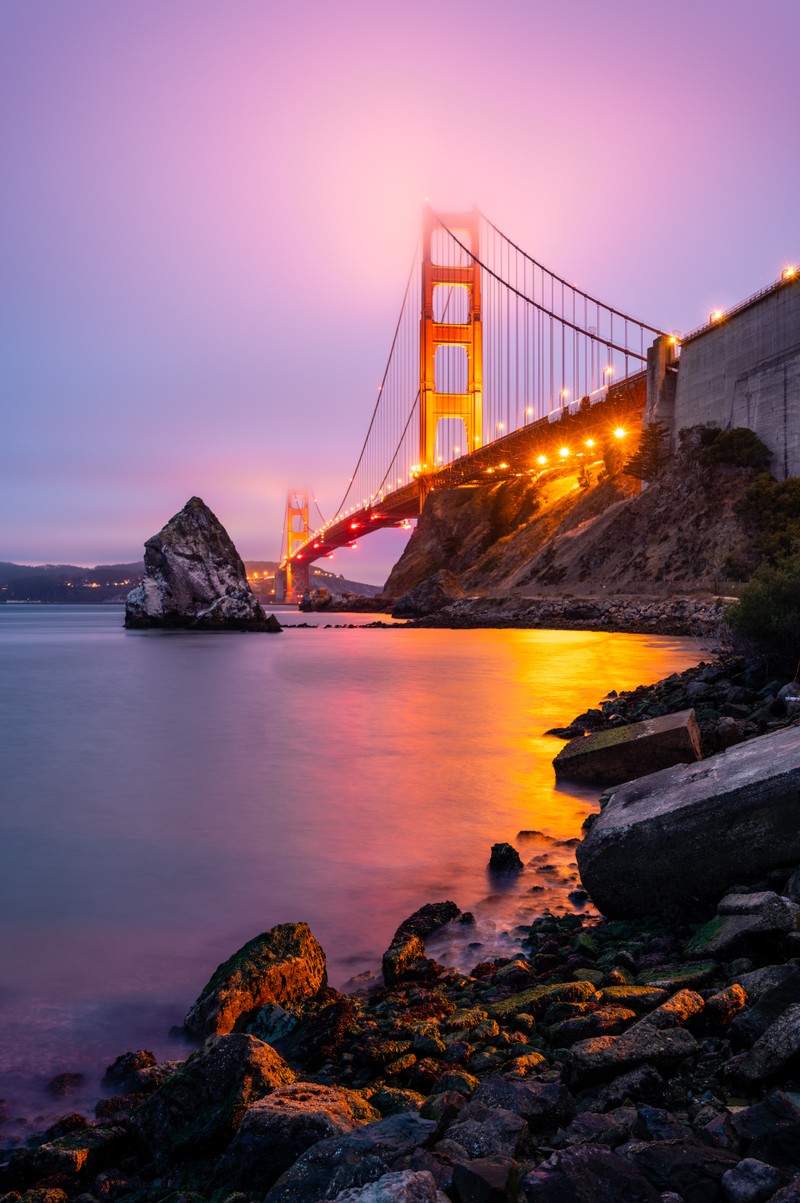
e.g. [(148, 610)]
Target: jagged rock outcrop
[(284, 965), (194, 577)]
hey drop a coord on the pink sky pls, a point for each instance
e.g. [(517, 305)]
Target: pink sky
[(208, 212)]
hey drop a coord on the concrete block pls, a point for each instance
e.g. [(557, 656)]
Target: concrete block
[(624, 753), (687, 833)]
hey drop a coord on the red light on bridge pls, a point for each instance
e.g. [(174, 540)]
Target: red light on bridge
[(299, 556), (354, 525), (353, 546), (329, 556)]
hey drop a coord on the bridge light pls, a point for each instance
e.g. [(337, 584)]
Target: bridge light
[(590, 443), (608, 370), (541, 459), (501, 425), (529, 410), (673, 340), (789, 273), (490, 470), (565, 392), (620, 432), (329, 556), (564, 452), (456, 450), (502, 465), (716, 315)]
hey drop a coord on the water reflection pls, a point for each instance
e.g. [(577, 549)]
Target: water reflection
[(166, 798)]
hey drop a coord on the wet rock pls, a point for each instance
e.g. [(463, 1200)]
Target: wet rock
[(770, 1130), (751, 1181), (284, 965), (126, 1071), (536, 1000), (485, 1180), (773, 1052), (81, 1152), (484, 1131), (628, 752), (63, 1085), (505, 859), (543, 1105), (641, 1085), (770, 991), (405, 957), (277, 1129), (431, 595), (197, 1111), (690, 1169), (605, 1056), (744, 921), (588, 1173), (364, 1156), (194, 577), (406, 1186), (741, 804), (607, 1021)]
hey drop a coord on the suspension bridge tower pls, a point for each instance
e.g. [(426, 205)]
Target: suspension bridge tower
[(450, 330), (296, 536)]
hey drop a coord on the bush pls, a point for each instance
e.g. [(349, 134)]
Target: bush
[(739, 447), (771, 508), (647, 462), (768, 611)]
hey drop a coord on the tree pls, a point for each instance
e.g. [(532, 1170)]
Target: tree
[(647, 462), (768, 610)]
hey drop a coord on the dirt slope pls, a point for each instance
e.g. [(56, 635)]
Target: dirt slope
[(535, 536)]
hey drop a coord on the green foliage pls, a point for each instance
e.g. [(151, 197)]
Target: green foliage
[(771, 509), (768, 611), (584, 480), (739, 447), (613, 457), (647, 462)]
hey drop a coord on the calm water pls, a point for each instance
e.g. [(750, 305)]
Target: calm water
[(166, 797)]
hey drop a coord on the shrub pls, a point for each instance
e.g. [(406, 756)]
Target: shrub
[(771, 508), (647, 462), (768, 610), (739, 447)]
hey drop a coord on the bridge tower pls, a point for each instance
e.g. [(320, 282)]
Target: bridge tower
[(297, 532), (461, 272)]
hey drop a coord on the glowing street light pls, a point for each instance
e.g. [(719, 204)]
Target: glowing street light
[(564, 452), (589, 443), (716, 315), (789, 272), (620, 432), (541, 459)]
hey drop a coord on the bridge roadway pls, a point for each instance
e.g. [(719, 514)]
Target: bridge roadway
[(515, 454)]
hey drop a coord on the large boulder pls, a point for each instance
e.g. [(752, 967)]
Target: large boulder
[(196, 1112), (434, 594), (277, 1129), (194, 577), (284, 965), (624, 753), (405, 957), (341, 1162), (684, 834)]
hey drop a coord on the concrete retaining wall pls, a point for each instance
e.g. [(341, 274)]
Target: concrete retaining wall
[(745, 371)]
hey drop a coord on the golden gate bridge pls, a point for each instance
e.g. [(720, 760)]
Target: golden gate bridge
[(497, 366)]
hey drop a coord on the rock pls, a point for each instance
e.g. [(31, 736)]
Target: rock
[(589, 1173), (751, 1181), (63, 1085), (406, 1186), (542, 1105), (690, 1169), (485, 1180), (641, 1085), (740, 804), (770, 1130), (405, 957), (773, 1052), (607, 1021), (743, 921), (341, 1162), (483, 1131), (770, 991), (505, 859), (194, 577), (606, 1056), (624, 753), (284, 965), (197, 1111), (536, 1000), (275, 1131), (431, 595), (126, 1071), (82, 1152)]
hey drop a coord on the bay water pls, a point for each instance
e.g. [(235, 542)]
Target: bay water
[(166, 796)]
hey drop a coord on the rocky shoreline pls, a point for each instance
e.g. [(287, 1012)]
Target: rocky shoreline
[(653, 1060)]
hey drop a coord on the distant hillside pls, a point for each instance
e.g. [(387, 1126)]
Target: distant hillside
[(598, 534), (69, 584)]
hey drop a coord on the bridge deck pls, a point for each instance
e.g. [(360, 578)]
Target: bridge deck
[(513, 454)]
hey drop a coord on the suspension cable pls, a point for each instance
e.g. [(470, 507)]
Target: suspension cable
[(340, 507)]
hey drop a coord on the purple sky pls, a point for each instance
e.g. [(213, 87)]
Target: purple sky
[(208, 212)]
